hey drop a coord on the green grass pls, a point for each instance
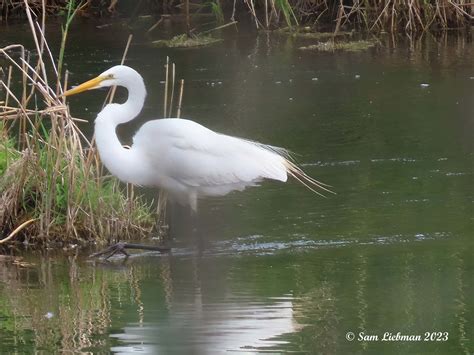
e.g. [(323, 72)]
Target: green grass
[(288, 13), (216, 10), (7, 151)]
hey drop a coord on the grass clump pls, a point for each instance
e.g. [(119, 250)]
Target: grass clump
[(332, 46), (8, 152), (185, 41), (51, 174), (216, 10)]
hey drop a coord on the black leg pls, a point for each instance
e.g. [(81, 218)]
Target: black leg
[(157, 230), (182, 223), (196, 231), (171, 218)]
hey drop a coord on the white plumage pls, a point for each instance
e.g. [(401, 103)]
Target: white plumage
[(182, 157)]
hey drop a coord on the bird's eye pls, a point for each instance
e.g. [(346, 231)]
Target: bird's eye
[(110, 76)]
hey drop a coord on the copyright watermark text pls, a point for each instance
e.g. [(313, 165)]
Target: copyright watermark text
[(397, 337)]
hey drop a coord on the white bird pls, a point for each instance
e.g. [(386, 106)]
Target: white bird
[(180, 156)]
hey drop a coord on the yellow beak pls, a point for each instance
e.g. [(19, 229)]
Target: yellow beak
[(88, 85)]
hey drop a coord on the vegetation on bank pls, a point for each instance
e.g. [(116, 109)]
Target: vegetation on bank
[(52, 184), (369, 15)]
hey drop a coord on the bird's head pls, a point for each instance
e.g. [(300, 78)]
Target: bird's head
[(119, 75)]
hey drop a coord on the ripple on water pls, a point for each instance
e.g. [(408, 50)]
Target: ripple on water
[(260, 245)]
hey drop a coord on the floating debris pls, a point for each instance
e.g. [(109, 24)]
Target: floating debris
[(331, 46), (314, 79), (309, 33), (357, 76), (424, 85), (49, 315), (183, 41)]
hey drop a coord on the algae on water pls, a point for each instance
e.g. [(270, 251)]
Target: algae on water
[(349, 46), (309, 33), (183, 41)]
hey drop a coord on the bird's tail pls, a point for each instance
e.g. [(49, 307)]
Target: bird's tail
[(294, 170), (314, 185)]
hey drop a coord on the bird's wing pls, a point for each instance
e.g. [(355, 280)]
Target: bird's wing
[(196, 156)]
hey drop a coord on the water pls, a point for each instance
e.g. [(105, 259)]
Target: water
[(283, 270)]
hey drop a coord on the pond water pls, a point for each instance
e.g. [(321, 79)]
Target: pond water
[(283, 270)]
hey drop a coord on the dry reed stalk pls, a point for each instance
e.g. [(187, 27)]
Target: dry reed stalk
[(165, 102), (173, 78), (111, 93), (180, 100), (267, 23), (411, 15), (57, 180)]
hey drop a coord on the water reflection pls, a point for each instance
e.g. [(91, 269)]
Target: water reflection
[(206, 328), (299, 301), (202, 315)]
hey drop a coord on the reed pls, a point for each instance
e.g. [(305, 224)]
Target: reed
[(216, 9), (408, 16), (371, 15), (52, 189)]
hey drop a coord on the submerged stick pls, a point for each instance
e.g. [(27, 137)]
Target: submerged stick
[(155, 25), (218, 28)]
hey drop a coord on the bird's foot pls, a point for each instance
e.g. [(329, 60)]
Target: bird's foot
[(111, 251), (121, 247)]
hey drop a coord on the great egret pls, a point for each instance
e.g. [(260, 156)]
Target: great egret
[(180, 156)]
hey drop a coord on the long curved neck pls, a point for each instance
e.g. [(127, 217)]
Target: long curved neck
[(120, 161), (134, 104)]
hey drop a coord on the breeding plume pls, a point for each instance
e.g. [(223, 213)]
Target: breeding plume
[(182, 157)]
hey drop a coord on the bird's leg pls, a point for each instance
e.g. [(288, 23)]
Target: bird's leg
[(170, 219), (178, 220), (196, 231), (121, 247), (112, 250)]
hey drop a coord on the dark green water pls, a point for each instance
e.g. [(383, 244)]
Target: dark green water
[(284, 270)]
